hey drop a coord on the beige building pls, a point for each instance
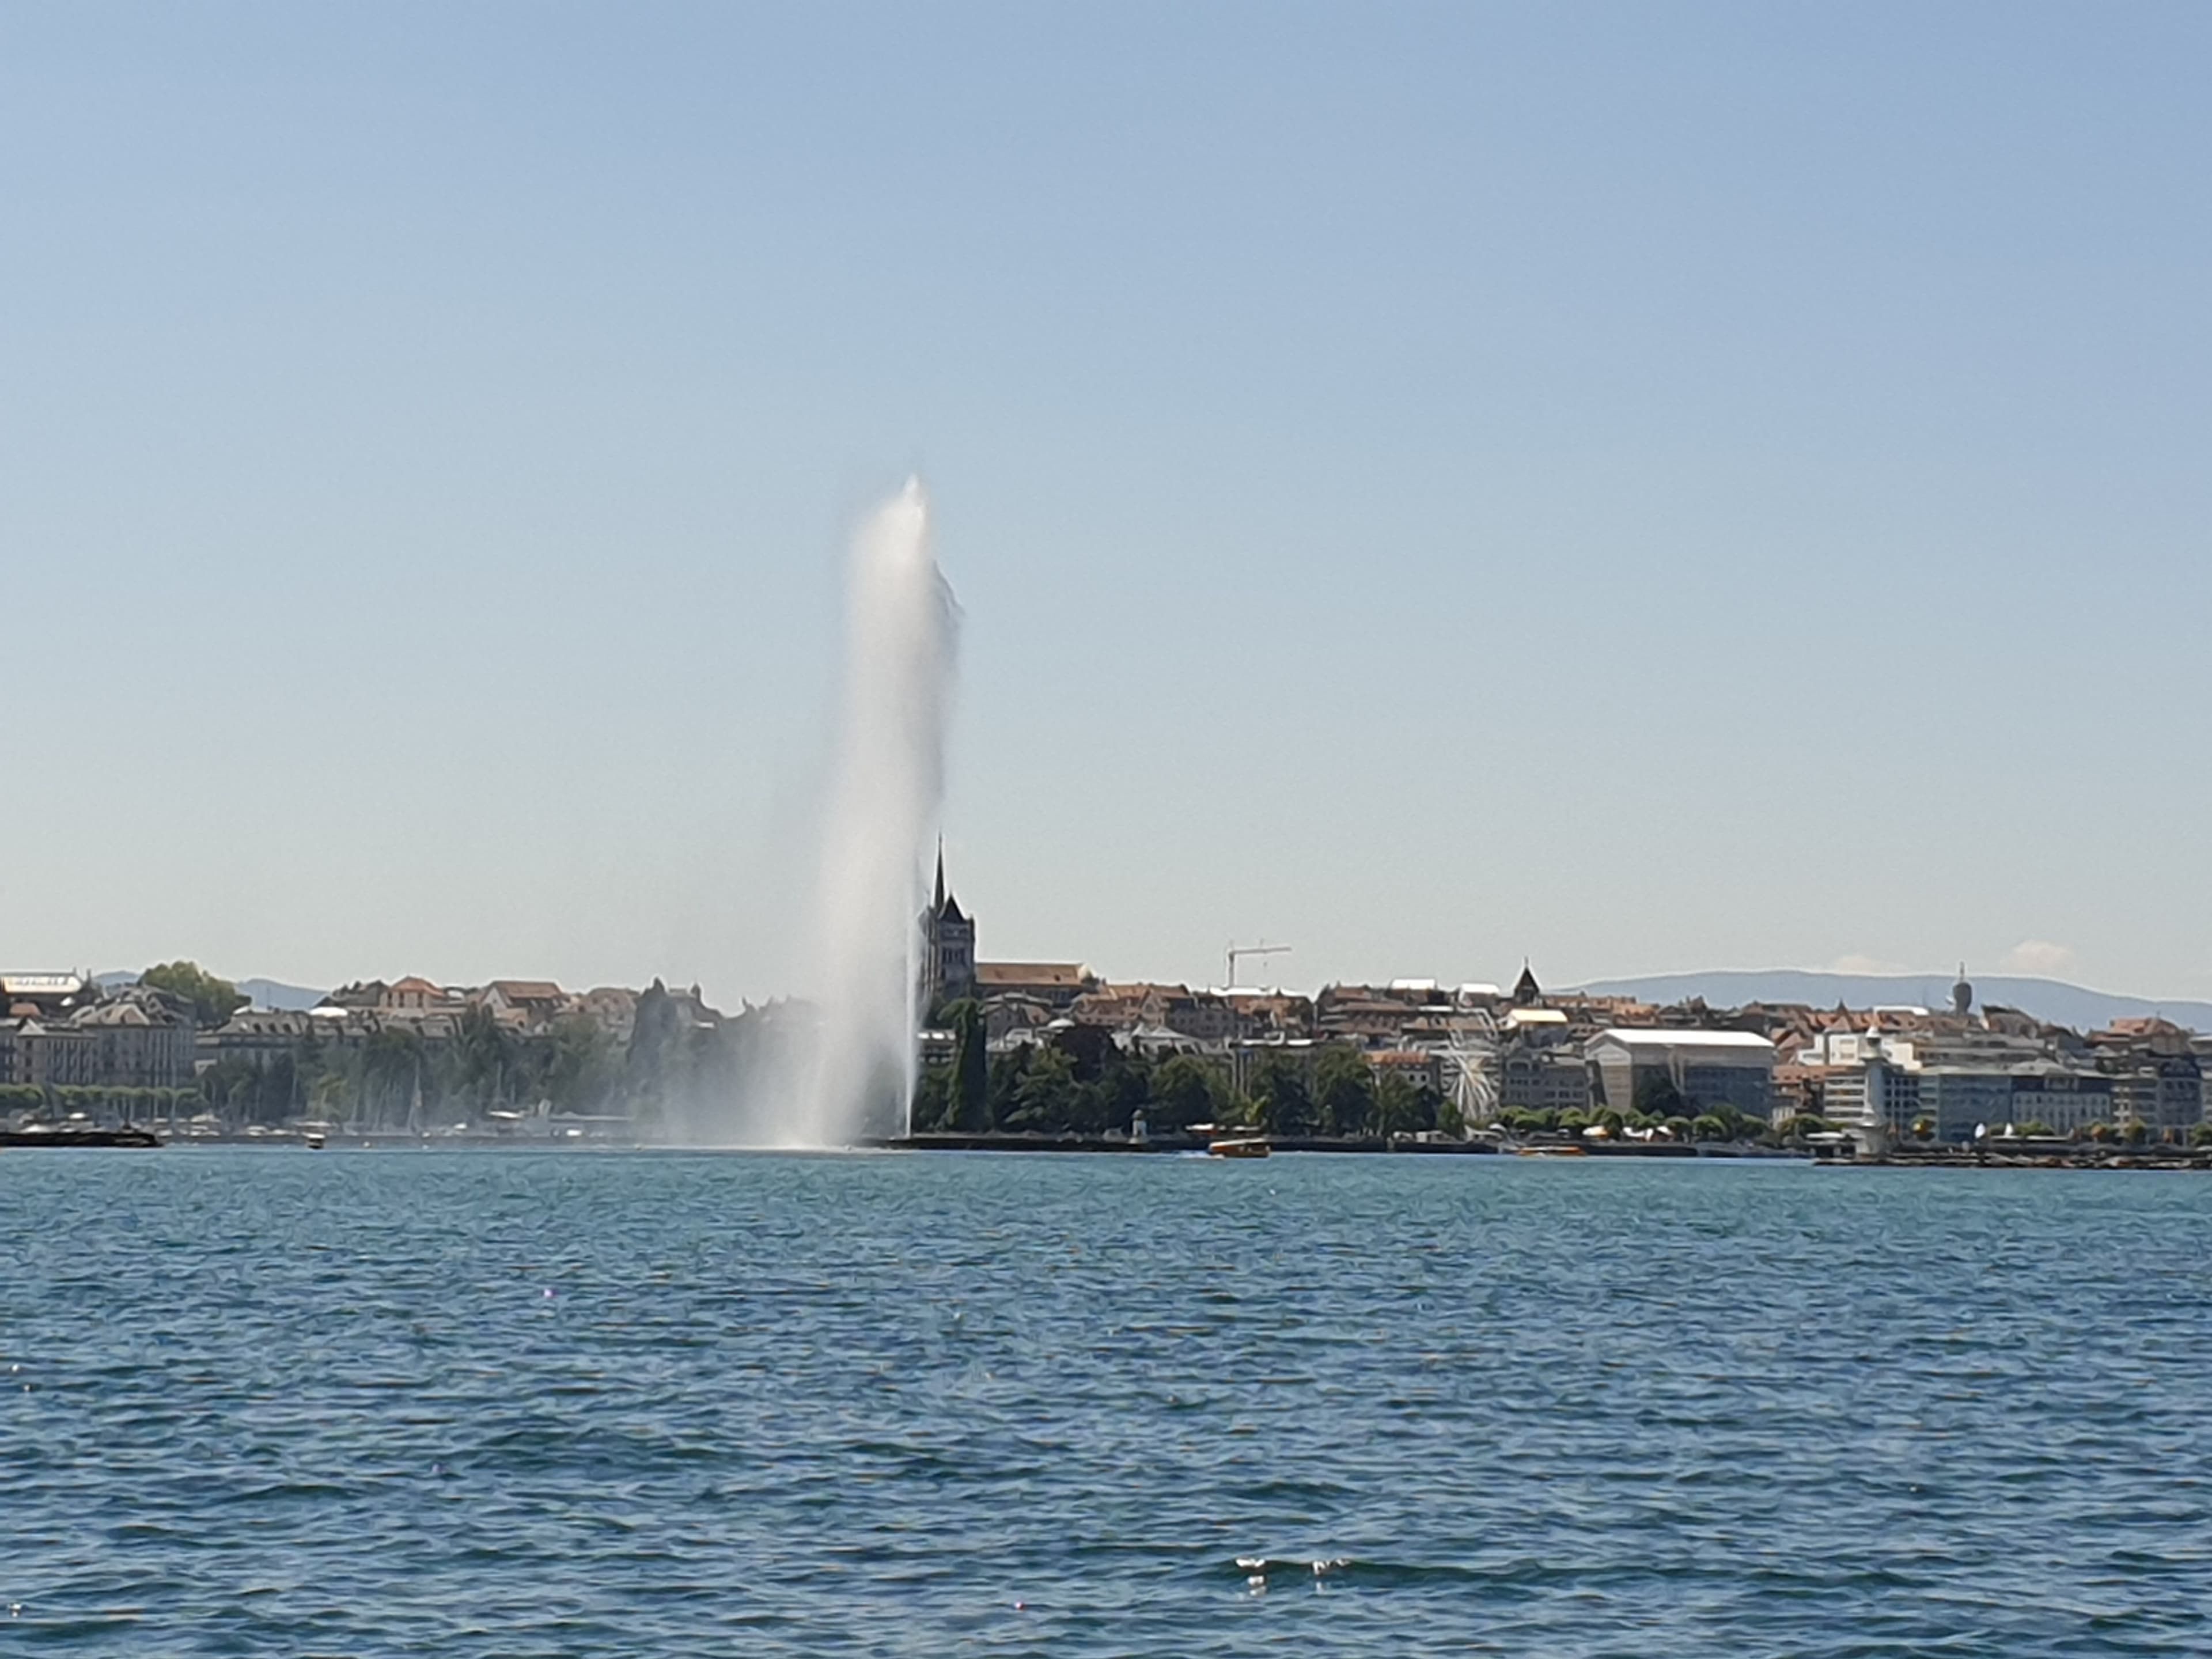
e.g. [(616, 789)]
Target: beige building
[(524, 1004), (139, 1042), (1056, 984), (136, 1039), (47, 1054)]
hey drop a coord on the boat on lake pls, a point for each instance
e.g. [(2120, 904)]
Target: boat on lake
[(1239, 1146), (129, 1135)]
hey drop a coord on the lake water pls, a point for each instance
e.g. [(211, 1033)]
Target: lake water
[(476, 1403)]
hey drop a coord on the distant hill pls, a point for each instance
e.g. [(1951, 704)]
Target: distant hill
[(273, 994), (265, 993), (2046, 998)]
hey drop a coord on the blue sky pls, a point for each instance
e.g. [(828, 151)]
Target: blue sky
[(1640, 487)]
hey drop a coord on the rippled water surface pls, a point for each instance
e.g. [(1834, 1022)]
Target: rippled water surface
[(512, 1403)]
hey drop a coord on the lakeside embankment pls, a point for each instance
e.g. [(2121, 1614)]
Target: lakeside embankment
[(2000, 1155)]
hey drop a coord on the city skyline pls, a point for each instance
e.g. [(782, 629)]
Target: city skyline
[(1431, 488)]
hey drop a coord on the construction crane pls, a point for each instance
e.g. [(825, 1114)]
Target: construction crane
[(1237, 950)]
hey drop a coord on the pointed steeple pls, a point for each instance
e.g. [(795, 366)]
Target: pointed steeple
[(1525, 989), (944, 905)]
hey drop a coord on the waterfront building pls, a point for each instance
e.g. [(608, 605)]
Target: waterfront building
[(2062, 1098), (1537, 1077), (134, 1039), (1704, 1069), (1877, 1092), (47, 1054), (1960, 1081), (2158, 1080), (1963, 1101), (140, 1039), (2162, 1093), (260, 1036)]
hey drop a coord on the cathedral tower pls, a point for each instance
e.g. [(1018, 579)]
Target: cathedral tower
[(948, 947)]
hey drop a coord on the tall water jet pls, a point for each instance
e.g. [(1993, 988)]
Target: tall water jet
[(853, 1073)]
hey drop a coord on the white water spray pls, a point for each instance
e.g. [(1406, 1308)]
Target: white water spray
[(853, 1074)]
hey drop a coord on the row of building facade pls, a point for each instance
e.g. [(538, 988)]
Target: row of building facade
[(1947, 1074), (62, 1031), (66, 1031)]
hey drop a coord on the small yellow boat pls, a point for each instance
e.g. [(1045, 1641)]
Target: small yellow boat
[(1242, 1147)]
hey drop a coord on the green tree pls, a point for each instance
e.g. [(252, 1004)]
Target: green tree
[(932, 1100), (391, 1069), (1046, 1097), (1284, 1103), (1186, 1090), (583, 1068), (214, 1000), (1707, 1125), (1007, 1071), (1344, 1090), (1397, 1109), (330, 1096), (971, 1067), (1122, 1088), (484, 1056)]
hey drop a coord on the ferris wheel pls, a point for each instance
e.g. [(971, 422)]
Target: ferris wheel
[(1471, 1067)]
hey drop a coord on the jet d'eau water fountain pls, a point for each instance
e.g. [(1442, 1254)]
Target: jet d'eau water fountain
[(849, 1070)]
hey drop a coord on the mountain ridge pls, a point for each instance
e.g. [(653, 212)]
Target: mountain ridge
[(2049, 999)]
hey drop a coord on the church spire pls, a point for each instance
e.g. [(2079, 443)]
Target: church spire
[(938, 903)]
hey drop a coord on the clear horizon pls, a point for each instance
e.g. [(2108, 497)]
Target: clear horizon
[(1634, 489)]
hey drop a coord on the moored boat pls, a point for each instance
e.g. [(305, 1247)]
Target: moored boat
[(130, 1135)]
